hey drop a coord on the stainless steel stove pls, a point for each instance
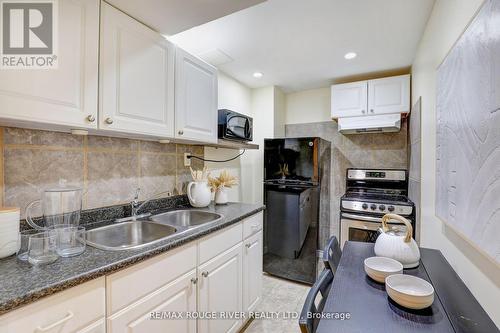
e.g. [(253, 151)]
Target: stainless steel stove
[(370, 194)]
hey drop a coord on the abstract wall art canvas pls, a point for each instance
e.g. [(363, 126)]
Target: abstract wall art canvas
[(468, 133)]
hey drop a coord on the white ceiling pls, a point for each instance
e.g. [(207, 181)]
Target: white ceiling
[(300, 44), (173, 16)]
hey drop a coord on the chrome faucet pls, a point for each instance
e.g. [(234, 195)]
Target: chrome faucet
[(135, 203), (137, 206)]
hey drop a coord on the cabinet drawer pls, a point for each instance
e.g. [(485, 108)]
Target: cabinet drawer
[(219, 242), (127, 286), (252, 225), (177, 296), (73, 310)]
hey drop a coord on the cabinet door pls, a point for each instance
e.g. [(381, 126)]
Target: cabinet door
[(252, 271), (136, 77), (64, 96), (389, 95), (220, 290), (148, 314), (349, 99), (195, 98)]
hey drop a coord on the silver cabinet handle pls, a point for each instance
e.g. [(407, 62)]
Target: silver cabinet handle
[(181, 132), (91, 118), (362, 111), (194, 280), (371, 110), (68, 316), (248, 245), (204, 274), (108, 121)]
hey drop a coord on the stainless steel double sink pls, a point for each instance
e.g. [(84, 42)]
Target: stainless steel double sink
[(136, 234)]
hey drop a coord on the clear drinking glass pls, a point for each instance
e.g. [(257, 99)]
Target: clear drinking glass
[(70, 240), (42, 248), (23, 240)]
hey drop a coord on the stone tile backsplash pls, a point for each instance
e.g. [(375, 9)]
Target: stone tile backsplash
[(385, 150), (108, 169)]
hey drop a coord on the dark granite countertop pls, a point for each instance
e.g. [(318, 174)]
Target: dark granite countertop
[(22, 283)]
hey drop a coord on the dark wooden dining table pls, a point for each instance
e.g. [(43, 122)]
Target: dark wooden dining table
[(353, 294)]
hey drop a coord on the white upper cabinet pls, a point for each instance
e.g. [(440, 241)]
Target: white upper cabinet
[(136, 77), (195, 99), (66, 96), (389, 95), (349, 99), (373, 97)]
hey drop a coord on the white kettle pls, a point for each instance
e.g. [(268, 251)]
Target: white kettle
[(397, 244), (199, 194)]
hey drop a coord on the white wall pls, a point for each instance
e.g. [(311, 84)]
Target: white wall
[(267, 107), (448, 20), (263, 120), (308, 106), (237, 97), (279, 112)]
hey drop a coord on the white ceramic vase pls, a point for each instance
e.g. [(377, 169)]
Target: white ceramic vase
[(221, 196), (199, 194)]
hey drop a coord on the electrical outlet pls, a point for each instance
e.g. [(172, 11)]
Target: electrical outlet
[(187, 160)]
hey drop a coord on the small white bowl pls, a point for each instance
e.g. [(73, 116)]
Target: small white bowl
[(409, 291), (378, 268)]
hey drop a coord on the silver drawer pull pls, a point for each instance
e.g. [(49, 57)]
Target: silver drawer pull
[(91, 118), (194, 280), (204, 274), (248, 245), (68, 316), (108, 121)]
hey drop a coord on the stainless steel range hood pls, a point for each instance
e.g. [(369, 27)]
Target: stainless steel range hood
[(370, 124)]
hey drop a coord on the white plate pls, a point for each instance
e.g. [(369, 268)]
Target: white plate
[(378, 268), (409, 291)]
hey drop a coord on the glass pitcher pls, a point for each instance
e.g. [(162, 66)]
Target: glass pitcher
[(60, 206)]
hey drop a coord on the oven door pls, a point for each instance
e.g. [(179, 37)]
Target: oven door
[(361, 228)]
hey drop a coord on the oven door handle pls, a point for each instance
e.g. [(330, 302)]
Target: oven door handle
[(367, 218)]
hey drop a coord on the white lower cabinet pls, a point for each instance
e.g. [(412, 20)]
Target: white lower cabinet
[(252, 272), (80, 309), (220, 290), (148, 315), (221, 273)]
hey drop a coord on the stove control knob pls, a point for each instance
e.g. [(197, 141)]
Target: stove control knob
[(381, 207), (390, 208), (364, 206), (373, 206)]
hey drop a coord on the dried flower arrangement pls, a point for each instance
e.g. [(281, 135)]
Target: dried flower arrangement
[(224, 180), (283, 171), (200, 175)]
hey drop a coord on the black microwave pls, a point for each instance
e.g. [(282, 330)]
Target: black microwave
[(235, 126)]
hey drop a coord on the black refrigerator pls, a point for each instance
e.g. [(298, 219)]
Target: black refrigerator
[(296, 178)]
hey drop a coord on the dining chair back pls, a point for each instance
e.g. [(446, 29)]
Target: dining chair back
[(308, 321), (332, 254)]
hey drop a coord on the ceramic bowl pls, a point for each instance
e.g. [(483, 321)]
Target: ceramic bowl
[(409, 291), (378, 268)]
